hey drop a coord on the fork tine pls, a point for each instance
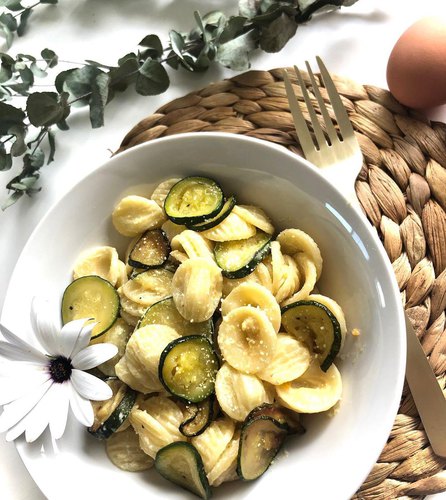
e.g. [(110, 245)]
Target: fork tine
[(319, 134), (345, 126), (331, 131), (300, 124)]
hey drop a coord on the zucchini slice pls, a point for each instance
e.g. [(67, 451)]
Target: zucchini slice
[(285, 417), (214, 221), (111, 414), (239, 258), (181, 464), (151, 250), (91, 297), (164, 312), (316, 325), (198, 417), (193, 200), (188, 367), (260, 441)]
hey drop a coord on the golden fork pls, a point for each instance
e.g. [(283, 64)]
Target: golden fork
[(337, 152)]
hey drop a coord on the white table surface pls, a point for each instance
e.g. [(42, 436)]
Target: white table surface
[(354, 42)]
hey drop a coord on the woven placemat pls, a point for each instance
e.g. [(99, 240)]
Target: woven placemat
[(402, 190)]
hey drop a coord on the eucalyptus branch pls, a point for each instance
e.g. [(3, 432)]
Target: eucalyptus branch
[(227, 40), (15, 19)]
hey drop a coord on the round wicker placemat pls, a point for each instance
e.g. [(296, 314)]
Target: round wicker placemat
[(402, 190)]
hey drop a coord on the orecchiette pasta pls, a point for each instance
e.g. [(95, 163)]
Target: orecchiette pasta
[(157, 424), (213, 441), (238, 393), (335, 308), (99, 261), (171, 229), (260, 275), (148, 287), (124, 374), (135, 214), (161, 191), (193, 244), (291, 359), (253, 294), (226, 467), (230, 229), (255, 216), (196, 289), (308, 271), (124, 451), (247, 339)]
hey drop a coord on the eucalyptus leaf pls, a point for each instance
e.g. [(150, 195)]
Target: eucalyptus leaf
[(45, 108), (52, 146), (24, 16), (53, 2), (19, 146), (152, 79), (7, 35), (153, 44), (14, 5), (50, 57), (274, 37), (5, 159), (235, 53), (8, 20), (123, 75), (98, 100), (177, 44), (234, 27), (5, 73), (9, 117), (248, 8), (13, 198)]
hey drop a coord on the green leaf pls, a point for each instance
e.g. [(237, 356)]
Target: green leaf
[(5, 73), (36, 159), (123, 75), (53, 2), (98, 99), (235, 53), (9, 117), (79, 83), (8, 20), (50, 57), (5, 159), (153, 43), (234, 28), (274, 37), (18, 147), (45, 108), (177, 44), (247, 8), (152, 79), (38, 71), (27, 76), (23, 21), (52, 146), (14, 198), (7, 34), (13, 5)]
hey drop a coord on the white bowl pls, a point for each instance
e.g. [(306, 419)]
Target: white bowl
[(335, 455)]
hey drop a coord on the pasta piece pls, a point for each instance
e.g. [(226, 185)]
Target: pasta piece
[(122, 274), (117, 335), (278, 266), (291, 359), (255, 216), (291, 281), (315, 391), (158, 424), (309, 273), (213, 441), (98, 261), (124, 451), (130, 308), (247, 339), (260, 275), (232, 228), (162, 190), (134, 215), (226, 467), (128, 318), (196, 289), (335, 308), (148, 287), (293, 241), (238, 393), (124, 374), (179, 256), (143, 352), (193, 244), (171, 229), (253, 294)]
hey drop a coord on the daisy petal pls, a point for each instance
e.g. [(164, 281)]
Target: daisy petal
[(94, 355), (58, 417), (15, 353), (18, 383), (81, 408), (15, 411), (33, 423), (13, 339), (46, 331), (71, 335), (89, 386)]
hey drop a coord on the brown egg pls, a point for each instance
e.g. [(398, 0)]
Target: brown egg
[(416, 71)]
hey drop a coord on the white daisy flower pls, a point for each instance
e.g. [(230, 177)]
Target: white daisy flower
[(42, 381)]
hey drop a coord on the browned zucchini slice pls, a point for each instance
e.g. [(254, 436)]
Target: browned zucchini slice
[(151, 250), (198, 417)]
